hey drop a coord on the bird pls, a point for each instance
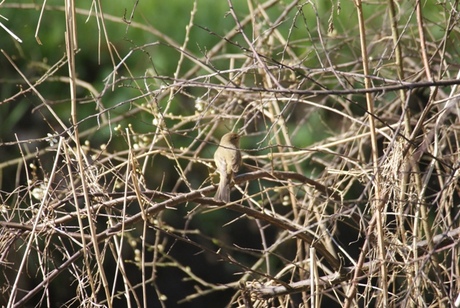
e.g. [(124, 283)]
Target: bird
[(228, 161)]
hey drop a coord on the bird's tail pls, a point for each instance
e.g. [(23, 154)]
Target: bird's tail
[(223, 190)]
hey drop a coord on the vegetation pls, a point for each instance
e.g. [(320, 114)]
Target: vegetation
[(110, 115)]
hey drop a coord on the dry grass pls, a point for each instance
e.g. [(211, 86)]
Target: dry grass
[(349, 195)]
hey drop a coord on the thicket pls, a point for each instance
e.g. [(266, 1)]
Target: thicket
[(349, 192)]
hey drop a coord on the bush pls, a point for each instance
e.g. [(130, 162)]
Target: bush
[(348, 195)]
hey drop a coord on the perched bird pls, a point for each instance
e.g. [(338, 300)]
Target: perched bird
[(228, 160)]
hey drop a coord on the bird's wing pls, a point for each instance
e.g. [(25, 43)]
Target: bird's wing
[(236, 162), (221, 164)]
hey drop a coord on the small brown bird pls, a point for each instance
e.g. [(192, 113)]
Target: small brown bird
[(228, 160)]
